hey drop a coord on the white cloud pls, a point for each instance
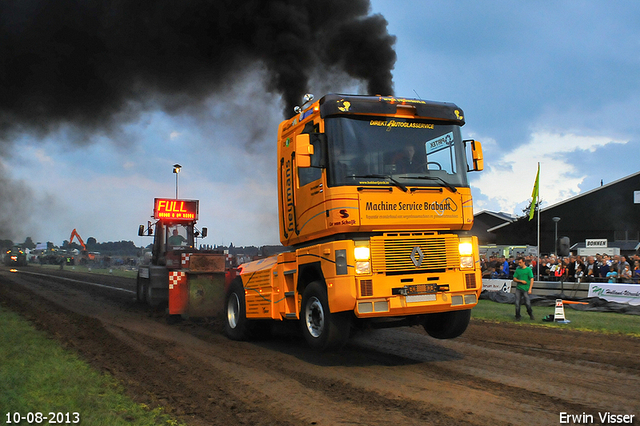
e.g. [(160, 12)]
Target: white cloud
[(42, 157), (507, 180)]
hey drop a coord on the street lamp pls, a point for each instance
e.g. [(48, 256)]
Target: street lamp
[(555, 250), (176, 170)]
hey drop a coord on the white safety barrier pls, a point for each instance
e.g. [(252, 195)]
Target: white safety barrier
[(620, 293)]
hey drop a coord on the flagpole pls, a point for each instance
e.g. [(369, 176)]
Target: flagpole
[(532, 210), (538, 248)]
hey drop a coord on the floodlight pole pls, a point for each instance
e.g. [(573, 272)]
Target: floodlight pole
[(555, 249), (176, 170)]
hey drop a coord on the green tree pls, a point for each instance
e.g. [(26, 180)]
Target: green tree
[(29, 244), (91, 244)]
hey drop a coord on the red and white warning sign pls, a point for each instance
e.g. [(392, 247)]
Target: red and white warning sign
[(558, 315), (176, 278)]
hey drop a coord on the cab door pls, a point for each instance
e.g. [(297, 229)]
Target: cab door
[(308, 183)]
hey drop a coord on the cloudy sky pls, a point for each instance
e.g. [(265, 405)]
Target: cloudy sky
[(555, 82)]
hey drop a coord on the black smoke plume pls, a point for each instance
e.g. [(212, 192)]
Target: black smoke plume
[(89, 63)]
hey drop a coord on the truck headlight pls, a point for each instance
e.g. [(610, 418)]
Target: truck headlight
[(362, 255), (465, 248), (466, 262), (363, 267), (361, 252)]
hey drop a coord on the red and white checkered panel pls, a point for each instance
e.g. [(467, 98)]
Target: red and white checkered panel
[(176, 278), (185, 259)]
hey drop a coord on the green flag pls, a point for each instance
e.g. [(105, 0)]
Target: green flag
[(534, 194)]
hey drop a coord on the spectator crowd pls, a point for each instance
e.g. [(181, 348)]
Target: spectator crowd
[(598, 268)]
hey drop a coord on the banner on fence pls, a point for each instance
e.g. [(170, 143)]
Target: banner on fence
[(497, 285), (621, 293)]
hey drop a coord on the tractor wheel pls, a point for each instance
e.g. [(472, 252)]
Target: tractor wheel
[(322, 329), (140, 291), (152, 300), (447, 325)]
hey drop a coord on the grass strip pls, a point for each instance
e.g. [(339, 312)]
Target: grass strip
[(601, 322), (38, 376), (93, 269)]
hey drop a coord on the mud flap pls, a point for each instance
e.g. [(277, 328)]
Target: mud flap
[(196, 295), (178, 293), (206, 295)]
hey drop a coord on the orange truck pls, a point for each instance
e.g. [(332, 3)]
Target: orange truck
[(375, 206), (188, 281)]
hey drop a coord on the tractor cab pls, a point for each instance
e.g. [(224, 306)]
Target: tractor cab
[(171, 239), (174, 230)]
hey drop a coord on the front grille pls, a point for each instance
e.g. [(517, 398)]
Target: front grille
[(399, 253)]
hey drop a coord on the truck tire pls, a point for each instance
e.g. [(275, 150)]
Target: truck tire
[(236, 325), (447, 325), (322, 329)]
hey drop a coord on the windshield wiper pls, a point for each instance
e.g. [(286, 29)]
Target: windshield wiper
[(391, 179), (438, 178)]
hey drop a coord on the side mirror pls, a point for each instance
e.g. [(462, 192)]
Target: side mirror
[(204, 232), (141, 230), (476, 155), (319, 141), (304, 150)]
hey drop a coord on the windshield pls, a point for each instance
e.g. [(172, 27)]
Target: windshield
[(179, 236), (412, 152)]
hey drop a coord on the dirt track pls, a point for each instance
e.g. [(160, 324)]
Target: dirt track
[(495, 374)]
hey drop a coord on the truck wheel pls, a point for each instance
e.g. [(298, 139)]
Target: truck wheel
[(236, 325), (322, 329), (447, 325)]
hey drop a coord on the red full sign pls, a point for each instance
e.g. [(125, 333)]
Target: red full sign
[(169, 209)]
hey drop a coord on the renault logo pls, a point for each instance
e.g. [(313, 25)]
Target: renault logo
[(417, 256)]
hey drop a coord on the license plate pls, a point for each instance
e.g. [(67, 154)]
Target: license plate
[(422, 288), (415, 298)]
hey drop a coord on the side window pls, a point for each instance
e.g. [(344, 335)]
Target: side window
[(441, 154), (310, 174)]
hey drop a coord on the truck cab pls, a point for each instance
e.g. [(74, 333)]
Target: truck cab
[(375, 204)]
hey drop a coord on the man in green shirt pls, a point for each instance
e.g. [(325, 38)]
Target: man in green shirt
[(523, 278)]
